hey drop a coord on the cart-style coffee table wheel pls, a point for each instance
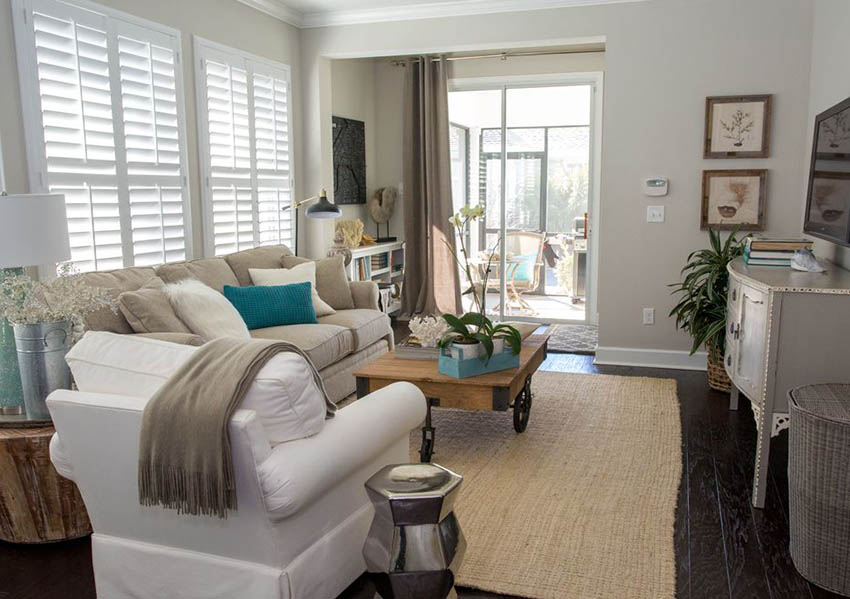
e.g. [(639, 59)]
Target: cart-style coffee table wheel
[(426, 449), (522, 406)]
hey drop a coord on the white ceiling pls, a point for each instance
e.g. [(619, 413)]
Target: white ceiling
[(323, 13)]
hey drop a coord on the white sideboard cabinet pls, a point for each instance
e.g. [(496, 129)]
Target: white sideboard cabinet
[(784, 329)]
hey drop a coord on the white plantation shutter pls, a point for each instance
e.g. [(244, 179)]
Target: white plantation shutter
[(245, 139), (104, 123)]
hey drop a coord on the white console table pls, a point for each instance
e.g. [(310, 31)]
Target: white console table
[(784, 329)]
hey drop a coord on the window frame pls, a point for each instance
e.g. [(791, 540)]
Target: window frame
[(203, 49), (25, 50)]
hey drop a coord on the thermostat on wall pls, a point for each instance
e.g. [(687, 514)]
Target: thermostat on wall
[(655, 187)]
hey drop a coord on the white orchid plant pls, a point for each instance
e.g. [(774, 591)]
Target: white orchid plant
[(474, 326), (24, 300)]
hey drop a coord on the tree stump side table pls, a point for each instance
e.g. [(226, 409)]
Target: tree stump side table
[(37, 505)]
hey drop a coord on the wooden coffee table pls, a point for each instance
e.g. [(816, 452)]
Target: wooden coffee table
[(496, 391)]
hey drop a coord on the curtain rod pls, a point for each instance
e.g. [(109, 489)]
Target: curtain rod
[(503, 55)]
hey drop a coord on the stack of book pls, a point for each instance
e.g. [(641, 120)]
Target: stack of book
[(760, 251), (380, 261)]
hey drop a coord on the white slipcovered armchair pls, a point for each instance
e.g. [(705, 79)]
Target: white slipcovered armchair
[(302, 515)]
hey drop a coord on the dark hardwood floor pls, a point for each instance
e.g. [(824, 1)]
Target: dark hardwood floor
[(724, 546)]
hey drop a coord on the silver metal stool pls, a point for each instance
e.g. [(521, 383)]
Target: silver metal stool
[(415, 544)]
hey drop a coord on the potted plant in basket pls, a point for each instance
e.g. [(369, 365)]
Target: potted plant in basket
[(701, 310), (44, 315), (473, 334)]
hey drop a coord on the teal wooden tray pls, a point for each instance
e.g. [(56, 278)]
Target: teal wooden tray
[(461, 369)]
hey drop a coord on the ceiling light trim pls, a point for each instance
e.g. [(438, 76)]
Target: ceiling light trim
[(433, 10), (278, 10)]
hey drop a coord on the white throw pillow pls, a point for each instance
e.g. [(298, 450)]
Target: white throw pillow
[(286, 276), (205, 311), (284, 395)]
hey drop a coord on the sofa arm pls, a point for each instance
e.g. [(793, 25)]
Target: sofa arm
[(299, 472), (181, 338), (59, 458), (365, 294)]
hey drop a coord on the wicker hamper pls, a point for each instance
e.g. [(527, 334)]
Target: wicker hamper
[(819, 484)]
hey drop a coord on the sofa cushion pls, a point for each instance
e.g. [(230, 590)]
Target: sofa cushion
[(206, 312), (213, 272), (324, 343), (284, 394), (272, 305), (117, 281), (331, 280), (296, 274), (148, 310), (266, 256), (367, 326)]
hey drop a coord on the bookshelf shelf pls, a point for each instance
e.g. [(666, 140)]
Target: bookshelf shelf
[(381, 263)]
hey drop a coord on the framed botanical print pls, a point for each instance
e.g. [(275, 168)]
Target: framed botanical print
[(733, 199), (737, 127)]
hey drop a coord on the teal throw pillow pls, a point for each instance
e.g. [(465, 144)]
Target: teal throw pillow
[(525, 270), (273, 305)]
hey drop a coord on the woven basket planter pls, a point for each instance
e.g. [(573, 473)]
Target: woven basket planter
[(819, 484), (717, 377)]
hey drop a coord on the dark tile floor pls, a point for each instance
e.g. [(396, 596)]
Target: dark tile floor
[(724, 546)]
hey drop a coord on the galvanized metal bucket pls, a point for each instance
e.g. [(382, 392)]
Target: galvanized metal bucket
[(41, 358)]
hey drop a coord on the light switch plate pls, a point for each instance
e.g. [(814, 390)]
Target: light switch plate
[(655, 214)]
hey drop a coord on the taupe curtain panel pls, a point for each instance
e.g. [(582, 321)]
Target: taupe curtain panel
[(431, 283)]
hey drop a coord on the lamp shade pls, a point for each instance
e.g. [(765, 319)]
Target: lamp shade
[(323, 208), (33, 230)]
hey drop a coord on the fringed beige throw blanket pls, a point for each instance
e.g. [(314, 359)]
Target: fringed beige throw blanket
[(185, 461)]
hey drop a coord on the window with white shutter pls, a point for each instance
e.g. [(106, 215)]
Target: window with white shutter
[(103, 115), (245, 140)]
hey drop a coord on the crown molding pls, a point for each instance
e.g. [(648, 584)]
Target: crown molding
[(431, 10), (278, 10)]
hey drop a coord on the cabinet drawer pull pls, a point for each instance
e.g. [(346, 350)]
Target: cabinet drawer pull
[(728, 360), (734, 294)]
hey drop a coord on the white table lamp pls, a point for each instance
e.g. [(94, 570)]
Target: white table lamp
[(33, 230)]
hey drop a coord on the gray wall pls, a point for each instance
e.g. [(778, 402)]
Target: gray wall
[(829, 84), (663, 57), (225, 21)]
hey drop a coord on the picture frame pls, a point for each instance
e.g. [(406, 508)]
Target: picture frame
[(737, 126), (734, 199)]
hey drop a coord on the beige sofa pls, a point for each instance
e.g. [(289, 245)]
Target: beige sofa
[(337, 345)]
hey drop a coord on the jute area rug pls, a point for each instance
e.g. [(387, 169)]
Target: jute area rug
[(582, 504)]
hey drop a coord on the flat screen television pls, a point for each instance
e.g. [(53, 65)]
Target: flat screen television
[(828, 198)]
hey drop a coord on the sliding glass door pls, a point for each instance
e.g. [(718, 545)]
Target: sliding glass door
[(526, 152)]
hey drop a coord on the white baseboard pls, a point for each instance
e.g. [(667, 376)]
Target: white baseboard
[(650, 358)]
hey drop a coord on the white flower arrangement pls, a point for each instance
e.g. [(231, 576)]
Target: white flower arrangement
[(428, 329), (24, 300)]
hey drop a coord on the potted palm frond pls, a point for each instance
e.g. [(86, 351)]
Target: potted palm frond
[(701, 310)]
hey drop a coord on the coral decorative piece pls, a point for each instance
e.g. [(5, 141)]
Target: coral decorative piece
[(428, 329), (352, 232)]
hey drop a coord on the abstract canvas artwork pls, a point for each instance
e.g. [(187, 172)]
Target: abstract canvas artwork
[(349, 152), (737, 127), (733, 199)]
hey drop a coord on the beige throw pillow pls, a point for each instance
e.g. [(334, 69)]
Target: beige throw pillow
[(148, 310), (205, 311), (331, 280), (297, 274)]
